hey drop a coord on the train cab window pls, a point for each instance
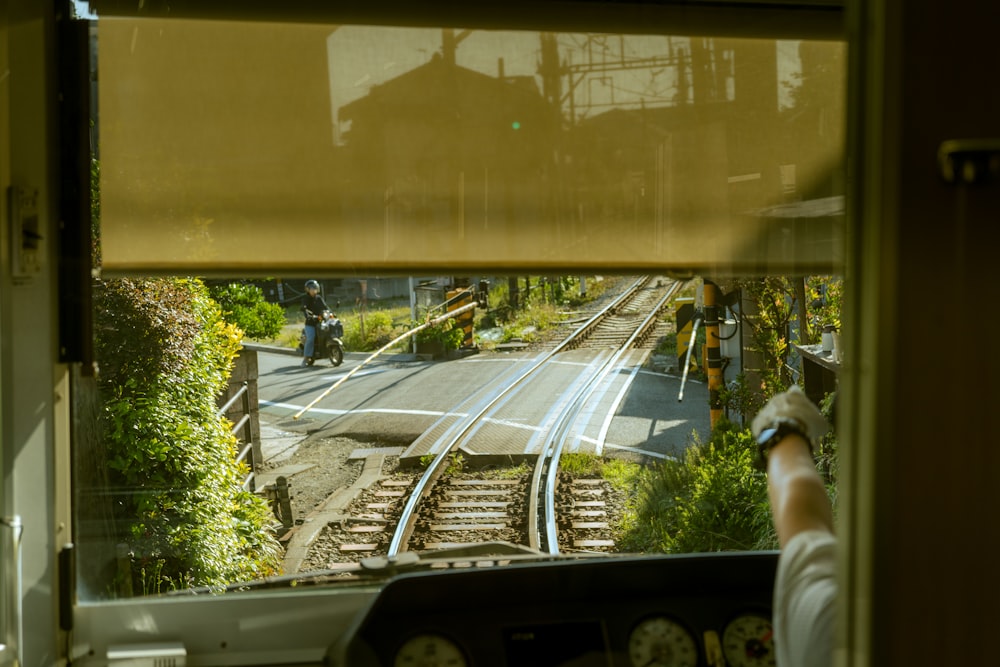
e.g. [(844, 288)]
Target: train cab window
[(394, 308)]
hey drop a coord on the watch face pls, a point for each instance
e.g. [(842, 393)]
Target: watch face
[(766, 434)]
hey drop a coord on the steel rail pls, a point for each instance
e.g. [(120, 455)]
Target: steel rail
[(558, 437), (422, 489)]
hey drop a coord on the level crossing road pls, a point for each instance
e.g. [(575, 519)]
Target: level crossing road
[(396, 398)]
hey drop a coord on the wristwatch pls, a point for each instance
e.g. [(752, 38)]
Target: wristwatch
[(776, 431)]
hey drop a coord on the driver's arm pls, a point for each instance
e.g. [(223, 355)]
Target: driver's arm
[(799, 501), (805, 588)]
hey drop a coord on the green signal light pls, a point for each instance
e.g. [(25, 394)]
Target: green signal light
[(516, 125)]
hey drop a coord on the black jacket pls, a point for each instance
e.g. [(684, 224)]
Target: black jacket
[(314, 305)]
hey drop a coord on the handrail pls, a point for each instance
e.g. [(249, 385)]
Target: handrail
[(243, 424), (225, 408), (11, 631)]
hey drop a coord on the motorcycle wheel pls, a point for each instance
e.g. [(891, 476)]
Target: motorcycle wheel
[(336, 355)]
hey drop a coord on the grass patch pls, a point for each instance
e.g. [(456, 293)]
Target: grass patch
[(623, 475), (580, 464), (509, 472)]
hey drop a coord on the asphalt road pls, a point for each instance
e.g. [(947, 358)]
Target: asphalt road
[(395, 399)]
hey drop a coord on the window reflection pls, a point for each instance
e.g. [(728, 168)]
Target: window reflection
[(401, 147)]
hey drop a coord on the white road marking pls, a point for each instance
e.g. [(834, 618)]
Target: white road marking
[(603, 434), (626, 448), (396, 411), (386, 411)]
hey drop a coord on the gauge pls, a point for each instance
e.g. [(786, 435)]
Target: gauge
[(429, 651), (662, 642), (748, 641)]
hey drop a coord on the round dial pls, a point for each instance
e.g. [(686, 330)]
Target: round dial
[(662, 642), (429, 651), (748, 641)]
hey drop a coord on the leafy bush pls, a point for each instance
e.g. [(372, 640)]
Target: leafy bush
[(379, 331), (713, 500), (166, 355), (447, 333), (245, 306), (825, 296), (773, 299)]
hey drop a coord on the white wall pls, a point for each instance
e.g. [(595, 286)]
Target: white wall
[(29, 375)]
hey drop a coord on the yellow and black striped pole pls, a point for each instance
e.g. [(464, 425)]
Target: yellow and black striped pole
[(459, 298), (713, 352)]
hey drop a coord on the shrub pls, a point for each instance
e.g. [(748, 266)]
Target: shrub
[(825, 297), (713, 500), (166, 355), (379, 330), (447, 333), (245, 306)]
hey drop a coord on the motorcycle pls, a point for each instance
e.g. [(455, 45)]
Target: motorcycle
[(329, 340)]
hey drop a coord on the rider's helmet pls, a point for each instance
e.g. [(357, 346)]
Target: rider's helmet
[(312, 284)]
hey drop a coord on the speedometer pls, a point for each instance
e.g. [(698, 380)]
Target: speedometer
[(429, 651), (662, 642), (748, 641)]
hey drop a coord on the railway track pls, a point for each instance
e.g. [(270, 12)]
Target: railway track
[(534, 505)]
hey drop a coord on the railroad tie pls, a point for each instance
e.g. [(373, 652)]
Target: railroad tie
[(444, 516), (484, 482), (366, 529), (442, 527), (444, 545), (593, 543), (590, 524), (477, 492)]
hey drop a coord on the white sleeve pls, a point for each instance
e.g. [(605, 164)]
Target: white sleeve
[(805, 592)]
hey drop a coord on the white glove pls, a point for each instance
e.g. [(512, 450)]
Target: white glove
[(792, 404)]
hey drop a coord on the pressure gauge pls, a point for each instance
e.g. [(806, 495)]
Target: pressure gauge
[(748, 641), (429, 651), (662, 642)]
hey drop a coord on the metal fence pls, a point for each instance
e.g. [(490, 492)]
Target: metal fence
[(243, 425)]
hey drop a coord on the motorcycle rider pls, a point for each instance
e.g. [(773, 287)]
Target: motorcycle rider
[(313, 306)]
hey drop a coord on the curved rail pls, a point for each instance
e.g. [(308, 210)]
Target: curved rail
[(560, 434), (422, 488)]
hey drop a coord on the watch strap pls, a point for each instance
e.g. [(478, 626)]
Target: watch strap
[(777, 431)]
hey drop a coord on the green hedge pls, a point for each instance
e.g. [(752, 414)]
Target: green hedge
[(165, 355)]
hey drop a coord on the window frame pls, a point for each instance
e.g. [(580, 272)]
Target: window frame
[(228, 629)]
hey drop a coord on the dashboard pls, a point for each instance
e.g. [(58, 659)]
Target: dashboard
[(636, 611)]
